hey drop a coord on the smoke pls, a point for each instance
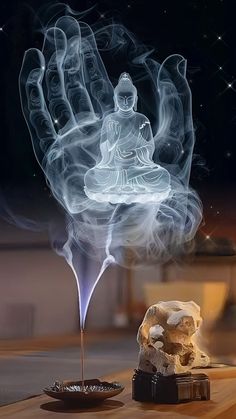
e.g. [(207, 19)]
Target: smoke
[(66, 94)]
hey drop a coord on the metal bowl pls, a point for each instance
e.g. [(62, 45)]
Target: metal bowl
[(93, 391)]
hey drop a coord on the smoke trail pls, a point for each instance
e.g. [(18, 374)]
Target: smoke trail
[(66, 98)]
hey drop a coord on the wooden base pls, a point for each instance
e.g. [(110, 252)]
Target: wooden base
[(178, 388)]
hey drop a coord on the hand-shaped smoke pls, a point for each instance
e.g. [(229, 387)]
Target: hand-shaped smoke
[(122, 184)]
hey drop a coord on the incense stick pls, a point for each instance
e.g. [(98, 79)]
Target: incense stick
[(82, 357)]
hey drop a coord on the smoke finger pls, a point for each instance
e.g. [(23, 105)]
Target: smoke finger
[(54, 50), (97, 81), (175, 132), (33, 104), (73, 73)]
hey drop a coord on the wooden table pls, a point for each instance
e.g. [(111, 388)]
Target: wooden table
[(221, 406)]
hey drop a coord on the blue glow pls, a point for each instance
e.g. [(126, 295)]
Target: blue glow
[(122, 180)]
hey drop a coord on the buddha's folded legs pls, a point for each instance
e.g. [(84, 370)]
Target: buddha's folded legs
[(151, 179), (106, 184), (101, 179)]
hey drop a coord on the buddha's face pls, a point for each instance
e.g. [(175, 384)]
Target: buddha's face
[(125, 100)]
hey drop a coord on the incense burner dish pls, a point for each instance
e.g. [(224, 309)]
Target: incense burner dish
[(94, 391)]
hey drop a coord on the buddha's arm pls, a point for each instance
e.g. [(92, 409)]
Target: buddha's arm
[(108, 141), (146, 145)]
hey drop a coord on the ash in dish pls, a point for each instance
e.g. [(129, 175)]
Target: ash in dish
[(90, 388)]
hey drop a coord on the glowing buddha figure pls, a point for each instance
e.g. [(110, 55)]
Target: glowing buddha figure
[(126, 172)]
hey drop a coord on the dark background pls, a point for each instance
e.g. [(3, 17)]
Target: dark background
[(203, 31)]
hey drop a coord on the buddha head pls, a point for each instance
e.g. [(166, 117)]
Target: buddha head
[(125, 94)]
